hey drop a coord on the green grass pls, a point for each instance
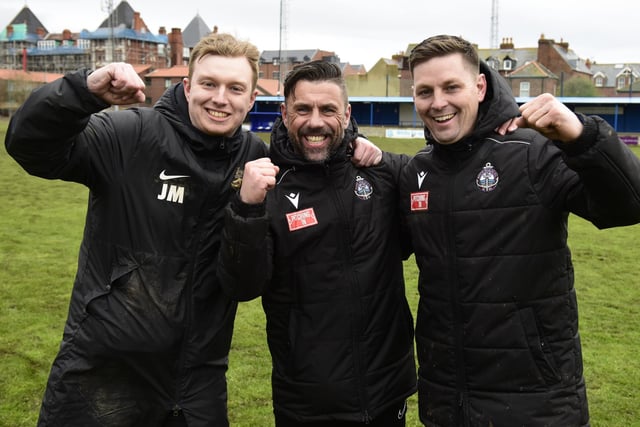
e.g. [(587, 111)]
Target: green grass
[(40, 230)]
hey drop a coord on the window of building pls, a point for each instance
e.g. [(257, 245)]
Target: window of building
[(46, 44), (275, 61), (276, 75), (507, 64), (621, 82), (167, 83), (525, 89), (599, 81), (83, 44), (260, 74)]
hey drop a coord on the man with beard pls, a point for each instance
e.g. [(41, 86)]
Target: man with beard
[(339, 327)]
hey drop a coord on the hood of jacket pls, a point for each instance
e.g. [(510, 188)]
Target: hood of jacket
[(282, 152), (174, 106), (498, 106)]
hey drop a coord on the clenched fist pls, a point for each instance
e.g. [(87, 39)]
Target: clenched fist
[(258, 178)]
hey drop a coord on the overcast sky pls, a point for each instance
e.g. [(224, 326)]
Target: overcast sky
[(363, 31)]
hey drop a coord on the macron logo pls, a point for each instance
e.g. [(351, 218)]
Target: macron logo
[(170, 192), (421, 177), (293, 198)]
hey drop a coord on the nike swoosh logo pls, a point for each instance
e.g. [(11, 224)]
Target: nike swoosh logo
[(166, 177)]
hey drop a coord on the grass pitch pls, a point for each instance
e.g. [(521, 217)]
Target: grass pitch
[(40, 230)]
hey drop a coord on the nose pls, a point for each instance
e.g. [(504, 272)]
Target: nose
[(315, 119), (219, 96), (439, 100)]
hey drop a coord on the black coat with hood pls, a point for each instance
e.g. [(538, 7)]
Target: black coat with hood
[(497, 328), (149, 325), (339, 327)]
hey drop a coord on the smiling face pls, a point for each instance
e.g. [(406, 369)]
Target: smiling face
[(220, 94), (447, 93), (316, 117)]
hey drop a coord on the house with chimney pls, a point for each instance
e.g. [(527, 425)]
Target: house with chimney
[(123, 36), (180, 45), (18, 37), (616, 80)]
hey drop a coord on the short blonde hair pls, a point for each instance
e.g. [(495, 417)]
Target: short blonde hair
[(222, 44)]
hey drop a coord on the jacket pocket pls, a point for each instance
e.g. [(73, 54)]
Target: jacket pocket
[(539, 347), (141, 307)]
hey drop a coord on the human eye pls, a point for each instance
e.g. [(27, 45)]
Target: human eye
[(423, 92), (452, 87), (329, 110)]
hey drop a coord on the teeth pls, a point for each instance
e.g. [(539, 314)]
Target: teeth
[(315, 138), (219, 114), (443, 118)]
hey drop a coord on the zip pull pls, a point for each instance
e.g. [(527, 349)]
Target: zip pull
[(176, 410)]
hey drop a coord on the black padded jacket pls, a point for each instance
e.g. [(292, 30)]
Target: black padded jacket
[(339, 327), (149, 326), (497, 326)]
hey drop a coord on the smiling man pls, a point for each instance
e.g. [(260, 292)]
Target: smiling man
[(339, 326), (149, 325), (497, 325), (448, 93), (316, 114), (220, 91)]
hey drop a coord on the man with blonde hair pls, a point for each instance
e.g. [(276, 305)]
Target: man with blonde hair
[(149, 327)]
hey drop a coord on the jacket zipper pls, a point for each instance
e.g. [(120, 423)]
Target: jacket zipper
[(356, 310), (181, 371), (455, 304)]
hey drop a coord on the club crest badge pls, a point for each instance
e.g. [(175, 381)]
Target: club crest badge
[(237, 179), (363, 188), (487, 179)]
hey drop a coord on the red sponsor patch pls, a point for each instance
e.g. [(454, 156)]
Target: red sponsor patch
[(420, 201), (301, 219)]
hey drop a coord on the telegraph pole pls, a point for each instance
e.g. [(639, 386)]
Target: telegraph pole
[(494, 43)]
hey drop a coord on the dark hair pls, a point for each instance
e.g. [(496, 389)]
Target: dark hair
[(442, 45), (315, 71)]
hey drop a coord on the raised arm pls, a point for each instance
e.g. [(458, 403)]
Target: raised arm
[(116, 84), (245, 259)]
